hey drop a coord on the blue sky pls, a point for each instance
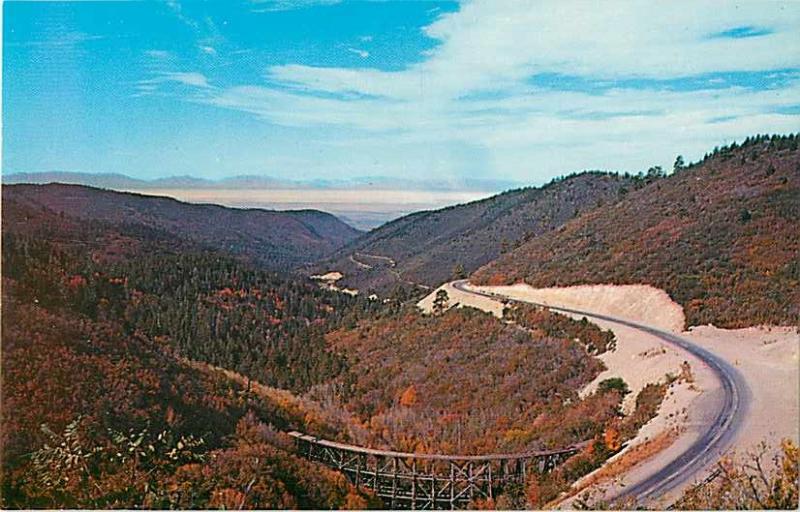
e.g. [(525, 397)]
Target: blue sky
[(308, 89)]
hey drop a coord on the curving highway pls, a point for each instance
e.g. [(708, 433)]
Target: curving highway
[(711, 443)]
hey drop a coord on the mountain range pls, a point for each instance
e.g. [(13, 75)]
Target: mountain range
[(126, 183), (720, 236)]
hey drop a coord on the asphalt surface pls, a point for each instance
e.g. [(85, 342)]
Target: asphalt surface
[(711, 443)]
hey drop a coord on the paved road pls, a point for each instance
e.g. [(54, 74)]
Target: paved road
[(711, 443)]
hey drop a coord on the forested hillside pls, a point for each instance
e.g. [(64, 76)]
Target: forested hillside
[(494, 387), (721, 237), (272, 239), (123, 322), (206, 307), (102, 323), (97, 417), (431, 247)]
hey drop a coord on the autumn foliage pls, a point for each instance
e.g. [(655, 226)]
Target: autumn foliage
[(465, 382), (143, 367), (103, 418), (544, 322), (751, 481)]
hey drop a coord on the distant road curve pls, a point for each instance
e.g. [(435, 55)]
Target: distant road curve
[(710, 444), (392, 267)]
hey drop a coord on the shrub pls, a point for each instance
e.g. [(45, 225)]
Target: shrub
[(613, 384)]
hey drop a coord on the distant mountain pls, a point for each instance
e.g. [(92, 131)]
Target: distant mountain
[(275, 240), (110, 180), (430, 247), (126, 183), (722, 237)]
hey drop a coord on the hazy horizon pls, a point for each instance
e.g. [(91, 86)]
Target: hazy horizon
[(363, 203)]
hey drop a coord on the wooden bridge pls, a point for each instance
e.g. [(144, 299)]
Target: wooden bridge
[(429, 481)]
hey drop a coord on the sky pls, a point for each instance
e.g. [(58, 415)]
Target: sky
[(326, 89)]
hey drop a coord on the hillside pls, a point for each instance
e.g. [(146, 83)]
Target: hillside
[(478, 392), (95, 417), (104, 326), (430, 247), (492, 388), (721, 237), (272, 239), (203, 306)]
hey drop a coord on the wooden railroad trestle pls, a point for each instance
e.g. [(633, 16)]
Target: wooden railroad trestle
[(428, 481)]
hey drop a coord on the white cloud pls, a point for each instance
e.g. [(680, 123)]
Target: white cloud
[(492, 45), (472, 91), (192, 79), (177, 9), (65, 40), (365, 81), (288, 5), (189, 79), (361, 53)]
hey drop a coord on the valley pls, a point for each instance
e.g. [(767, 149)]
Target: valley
[(643, 325), (400, 255), (429, 247)]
